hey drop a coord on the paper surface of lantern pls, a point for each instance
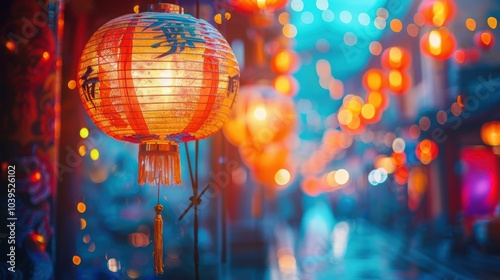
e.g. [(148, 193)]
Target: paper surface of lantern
[(158, 79)]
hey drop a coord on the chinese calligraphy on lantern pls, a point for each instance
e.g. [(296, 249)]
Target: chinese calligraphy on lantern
[(233, 84), (88, 85), (177, 34)]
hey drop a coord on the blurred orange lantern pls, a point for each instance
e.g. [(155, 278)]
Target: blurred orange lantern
[(437, 12), (158, 78), (374, 79), (260, 117), (272, 167), (396, 58), (252, 6), (285, 61), (438, 44), (484, 39), (378, 99), (490, 133), (399, 82), (426, 151), (286, 85)]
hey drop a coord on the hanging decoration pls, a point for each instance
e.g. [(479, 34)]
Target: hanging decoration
[(158, 78)]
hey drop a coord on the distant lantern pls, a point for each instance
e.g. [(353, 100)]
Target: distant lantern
[(158, 78), (399, 82), (490, 133), (286, 85), (396, 58), (437, 12), (253, 6), (285, 61), (426, 151), (439, 44), (484, 39), (374, 79)]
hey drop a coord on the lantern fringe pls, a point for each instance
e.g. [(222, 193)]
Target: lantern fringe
[(158, 240), (159, 167)]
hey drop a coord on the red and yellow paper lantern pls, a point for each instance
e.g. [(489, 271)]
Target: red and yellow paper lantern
[(439, 44), (158, 78), (484, 39)]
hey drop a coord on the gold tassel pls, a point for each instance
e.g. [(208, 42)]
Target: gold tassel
[(158, 240), (159, 162)]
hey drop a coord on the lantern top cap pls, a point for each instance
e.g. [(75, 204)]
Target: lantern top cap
[(161, 8)]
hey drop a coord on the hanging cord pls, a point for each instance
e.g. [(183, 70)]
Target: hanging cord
[(195, 201)]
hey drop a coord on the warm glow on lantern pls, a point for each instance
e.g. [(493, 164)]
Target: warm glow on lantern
[(490, 133), (76, 260), (260, 113), (439, 44), (368, 111)]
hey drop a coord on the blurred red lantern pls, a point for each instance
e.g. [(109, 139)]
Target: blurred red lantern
[(396, 58), (490, 133), (437, 12), (374, 80), (438, 44), (253, 6), (285, 61), (399, 82), (426, 151), (484, 39)]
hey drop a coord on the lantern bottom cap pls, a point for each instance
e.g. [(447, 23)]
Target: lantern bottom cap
[(159, 163)]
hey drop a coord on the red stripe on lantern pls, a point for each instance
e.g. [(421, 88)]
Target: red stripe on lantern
[(134, 112)]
